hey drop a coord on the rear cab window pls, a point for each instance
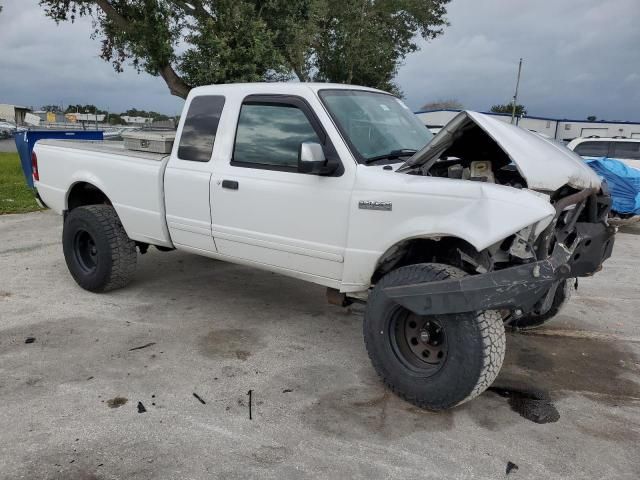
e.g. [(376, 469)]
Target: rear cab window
[(200, 128)]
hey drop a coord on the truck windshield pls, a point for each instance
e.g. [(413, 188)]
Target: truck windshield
[(376, 125)]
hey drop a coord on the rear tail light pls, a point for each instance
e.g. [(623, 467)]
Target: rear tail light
[(34, 166)]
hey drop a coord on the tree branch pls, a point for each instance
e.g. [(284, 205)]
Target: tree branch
[(113, 15), (176, 84)]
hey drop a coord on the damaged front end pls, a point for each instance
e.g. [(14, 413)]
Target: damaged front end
[(522, 273), (575, 244)]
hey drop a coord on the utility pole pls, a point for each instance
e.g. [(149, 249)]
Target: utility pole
[(515, 96)]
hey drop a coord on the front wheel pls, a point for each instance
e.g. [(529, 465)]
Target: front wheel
[(99, 254), (435, 362)]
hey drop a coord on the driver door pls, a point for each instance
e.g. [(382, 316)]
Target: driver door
[(263, 209)]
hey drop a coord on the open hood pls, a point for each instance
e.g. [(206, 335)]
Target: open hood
[(544, 164)]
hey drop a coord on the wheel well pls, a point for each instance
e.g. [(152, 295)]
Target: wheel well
[(84, 193), (448, 250)]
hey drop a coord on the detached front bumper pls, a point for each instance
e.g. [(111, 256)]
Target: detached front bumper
[(579, 251)]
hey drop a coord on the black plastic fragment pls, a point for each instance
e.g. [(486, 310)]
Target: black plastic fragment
[(142, 346)]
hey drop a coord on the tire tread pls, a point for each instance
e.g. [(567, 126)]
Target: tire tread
[(489, 322), (123, 249)]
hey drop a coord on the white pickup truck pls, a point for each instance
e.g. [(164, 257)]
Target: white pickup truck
[(446, 238)]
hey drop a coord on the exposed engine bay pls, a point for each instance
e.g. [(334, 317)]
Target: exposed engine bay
[(477, 147), (478, 171), (474, 155)]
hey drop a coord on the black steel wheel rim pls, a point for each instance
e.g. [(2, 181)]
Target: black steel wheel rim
[(419, 342), (85, 251)]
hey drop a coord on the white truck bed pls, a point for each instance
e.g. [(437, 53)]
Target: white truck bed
[(110, 147), (132, 180)]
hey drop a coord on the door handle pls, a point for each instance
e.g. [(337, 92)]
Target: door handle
[(230, 184)]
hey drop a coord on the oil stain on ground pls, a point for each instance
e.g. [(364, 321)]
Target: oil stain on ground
[(233, 343), (538, 369), (532, 405), (590, 366)]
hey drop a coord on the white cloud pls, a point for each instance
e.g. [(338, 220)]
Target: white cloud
[(580, 57)]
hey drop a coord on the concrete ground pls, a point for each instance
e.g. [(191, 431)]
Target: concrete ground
[(69, 401)]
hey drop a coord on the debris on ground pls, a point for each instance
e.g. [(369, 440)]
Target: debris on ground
[(116, 402), (533, 405), (287, 390), (141, 408), (511, 467), (142, 346), (199, 399), (30, 340)]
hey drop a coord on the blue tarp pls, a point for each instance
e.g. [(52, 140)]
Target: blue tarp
[(623, 182), (27, 139)]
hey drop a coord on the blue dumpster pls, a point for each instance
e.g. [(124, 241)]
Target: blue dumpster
[(26, 140)]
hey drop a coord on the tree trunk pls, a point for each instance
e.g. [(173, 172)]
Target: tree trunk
[(176, 85)]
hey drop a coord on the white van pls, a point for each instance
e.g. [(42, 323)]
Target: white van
[(625, 149)]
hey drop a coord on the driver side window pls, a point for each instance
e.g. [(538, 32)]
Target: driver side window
[(269, 135)]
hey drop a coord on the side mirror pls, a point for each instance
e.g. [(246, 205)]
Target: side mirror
[(311, 159)]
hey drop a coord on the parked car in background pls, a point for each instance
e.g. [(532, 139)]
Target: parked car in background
[(625, 149), (617, 160), (7, 130)]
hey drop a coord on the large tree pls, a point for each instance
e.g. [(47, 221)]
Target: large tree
[(446, 104), (196, 42), (508, 108)]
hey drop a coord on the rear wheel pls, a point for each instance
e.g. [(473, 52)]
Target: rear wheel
[(99, 254), (434, 362)]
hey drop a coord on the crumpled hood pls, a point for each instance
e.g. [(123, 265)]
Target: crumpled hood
[(544, 164)]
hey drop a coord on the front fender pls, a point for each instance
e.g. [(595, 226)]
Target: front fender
[(481, 214)]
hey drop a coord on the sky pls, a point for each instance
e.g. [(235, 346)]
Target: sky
[(581, 58)]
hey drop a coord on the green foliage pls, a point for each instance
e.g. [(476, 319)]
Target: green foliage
[(508, 107), (134, 112), (15, 196), (198, 42), (115, 119), (364, 41), (448, 104), (84, 109), (51, 108)]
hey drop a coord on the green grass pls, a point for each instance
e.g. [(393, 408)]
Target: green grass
[(15, 196)]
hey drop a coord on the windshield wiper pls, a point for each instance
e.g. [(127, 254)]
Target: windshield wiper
[(392, 155)]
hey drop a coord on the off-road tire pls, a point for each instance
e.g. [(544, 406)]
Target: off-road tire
[(475, 343), (535, 320), (115, 253)]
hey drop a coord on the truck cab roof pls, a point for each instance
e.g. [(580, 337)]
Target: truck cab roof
[(291, 88)]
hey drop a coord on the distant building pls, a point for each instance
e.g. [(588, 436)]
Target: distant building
[(13, 113), (136, 120), (560, 129), (88, 117)]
